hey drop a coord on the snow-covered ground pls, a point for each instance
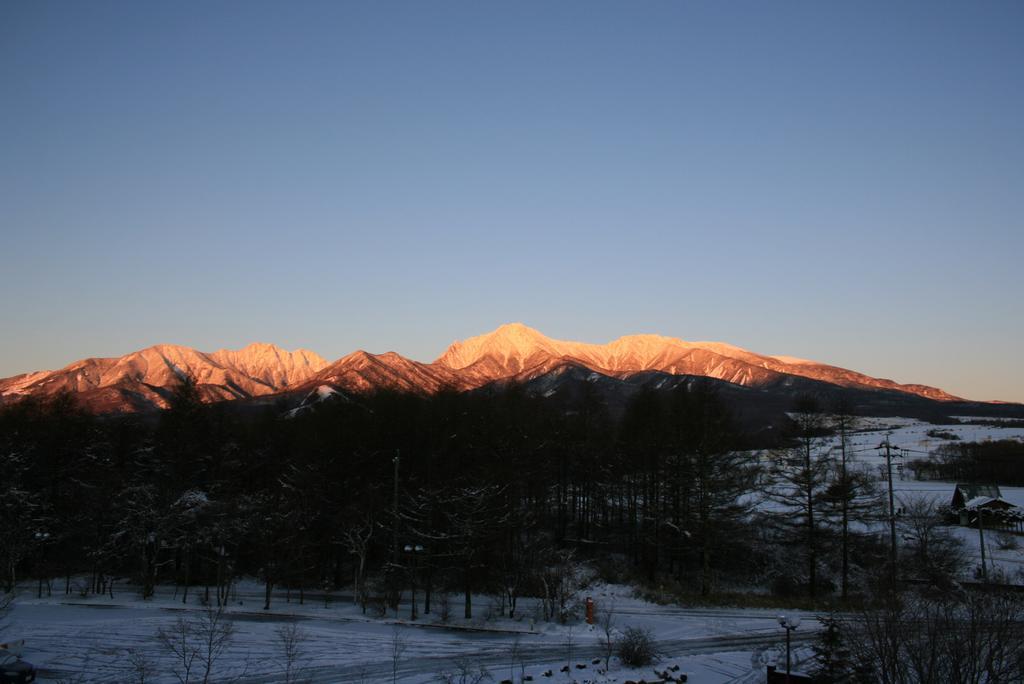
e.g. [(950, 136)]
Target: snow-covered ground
[(68, 635), (910, 437), (914, 442)]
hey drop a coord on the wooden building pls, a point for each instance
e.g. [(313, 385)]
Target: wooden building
[(971, 500)]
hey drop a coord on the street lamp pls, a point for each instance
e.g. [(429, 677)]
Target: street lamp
[(413, 550), (789, 624), (41, 538)]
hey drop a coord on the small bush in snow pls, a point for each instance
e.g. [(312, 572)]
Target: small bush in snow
[(444, 602), (377, 605), (636, 647), (1007, 541), (290, 643), (138, 668), (495, 609), (464, 672)]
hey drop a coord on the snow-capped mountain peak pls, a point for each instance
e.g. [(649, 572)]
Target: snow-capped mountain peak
[(134, 380), (511, 353), (515, 349), (510, 343)]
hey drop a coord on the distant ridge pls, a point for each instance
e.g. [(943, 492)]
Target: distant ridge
[(512, 353), (140, 380), (515, 348)]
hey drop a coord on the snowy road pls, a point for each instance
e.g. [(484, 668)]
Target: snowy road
[(65, 639), (497, 657)]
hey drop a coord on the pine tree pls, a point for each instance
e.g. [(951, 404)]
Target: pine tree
[(831, 656), (801, 476)]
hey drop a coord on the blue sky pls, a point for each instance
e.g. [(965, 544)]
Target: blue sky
[(837, 182)]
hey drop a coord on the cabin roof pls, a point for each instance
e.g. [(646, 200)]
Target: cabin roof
[(973, 491)]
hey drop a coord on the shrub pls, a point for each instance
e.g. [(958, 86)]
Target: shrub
[(377, 604), (636, 647), (1007, 541), (444, 604), (785, 586)]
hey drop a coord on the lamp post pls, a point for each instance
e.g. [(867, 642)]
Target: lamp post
[(413, 550), (789, 624), (222, 591), (41, 538)]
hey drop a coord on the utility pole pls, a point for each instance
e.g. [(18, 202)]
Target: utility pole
[(892, 511), (394, 541), (392, 573), (981, 539), (843, 426)]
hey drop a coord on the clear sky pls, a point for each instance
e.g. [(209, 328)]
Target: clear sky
[(841, 182)]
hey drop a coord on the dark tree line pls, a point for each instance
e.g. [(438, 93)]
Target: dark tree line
[(999, 461), (497, 493), (914, 637)]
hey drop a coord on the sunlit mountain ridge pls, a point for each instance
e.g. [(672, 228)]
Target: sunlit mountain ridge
[(512, 353)]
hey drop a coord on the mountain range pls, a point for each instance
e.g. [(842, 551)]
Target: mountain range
[(142, 380), (513, 353)]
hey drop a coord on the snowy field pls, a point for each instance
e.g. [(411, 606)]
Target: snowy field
[(912, 438), (73, 639)]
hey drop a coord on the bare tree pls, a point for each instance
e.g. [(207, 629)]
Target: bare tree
[(710, 505), (850, 501), (179, 641), (933, 552), (398, 647), (357, 539), (216, 632), (516, 658), (570, 642), (560, 581), (606, 621), (465, 672), (801, 477), (913, 639), (6, 603), (844, 423), (290, 639), (197, 642), (138, 667), (473, 514)]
